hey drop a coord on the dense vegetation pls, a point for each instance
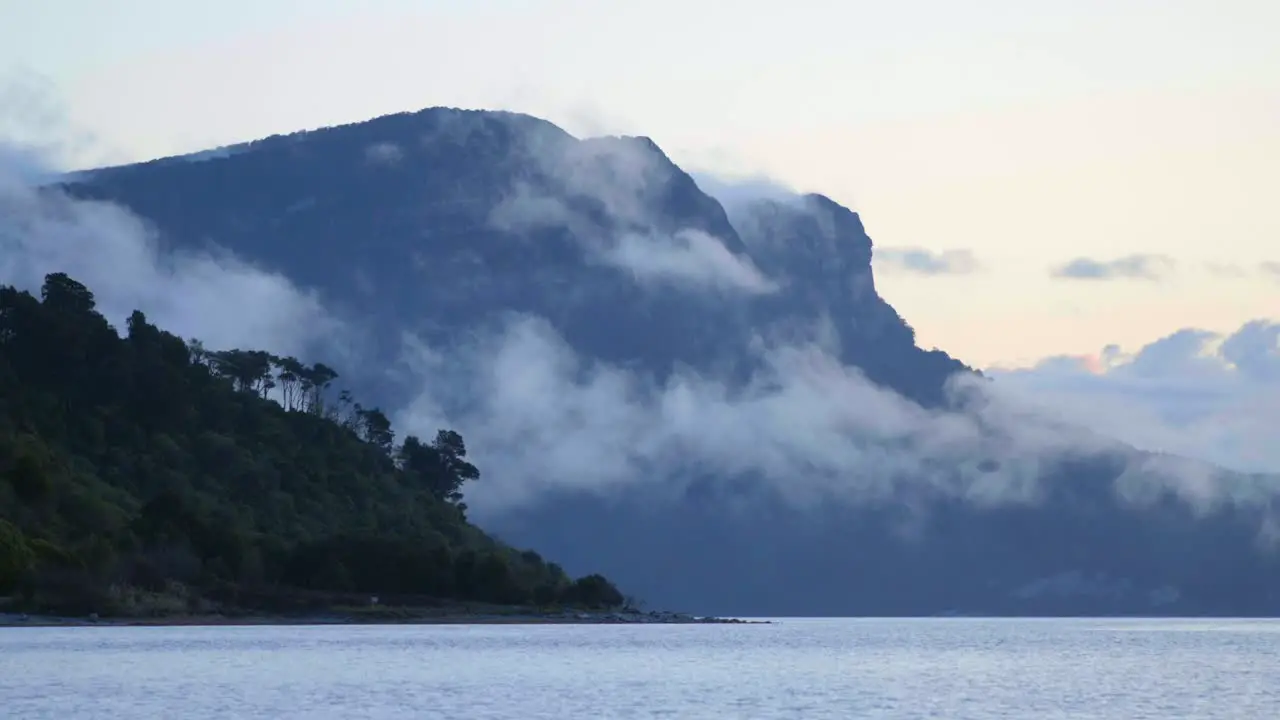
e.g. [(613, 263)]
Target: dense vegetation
[(143, 473)]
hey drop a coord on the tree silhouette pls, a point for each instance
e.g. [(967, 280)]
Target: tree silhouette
[(150, 464)]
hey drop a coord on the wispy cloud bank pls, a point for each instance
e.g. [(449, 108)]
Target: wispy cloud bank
[(1131, 267), (539, 417), (545, 419), (1226, 270), (921, 261), (1192, 393), (733, 193), (384, 153), (604, 192), (1270, 268), (214, 296), (687, 257), (35, 137)]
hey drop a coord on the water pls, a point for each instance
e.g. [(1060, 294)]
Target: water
[(812, 669)]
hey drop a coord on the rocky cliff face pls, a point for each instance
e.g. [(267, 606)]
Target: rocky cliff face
[(820, 253), (441, 220), (654, 302)]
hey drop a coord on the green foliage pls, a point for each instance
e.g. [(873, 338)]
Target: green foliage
[(15, 556), (594, 591), (441, 467), (29, 469), (145, 473)]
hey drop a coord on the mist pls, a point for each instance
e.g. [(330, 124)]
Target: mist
[(1206, 395), (542, 419), (539, 418), (212, 295)]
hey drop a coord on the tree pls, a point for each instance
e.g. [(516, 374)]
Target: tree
[(63, 294), (455, 470), (199, 354), (441, 466), (594, 591), (316, 381), (15, 556), (248, 370), (375, 428), (346, 416), (151, 462), (30, 473), (289, 373)]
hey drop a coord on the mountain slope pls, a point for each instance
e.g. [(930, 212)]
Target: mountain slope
[(452, 210), (146, 475), (711, 404)]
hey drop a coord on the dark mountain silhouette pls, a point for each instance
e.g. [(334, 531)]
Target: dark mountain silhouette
[(468, 218), (443, 223)]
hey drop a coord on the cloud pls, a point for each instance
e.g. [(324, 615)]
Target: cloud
[(540, 418), (626, 175), (689, 257), (526, 208), (543, 418), (920, 261), (213, 296), (1270, 268), (384, 153), (1194, 393), (606, 189), (24, 166), (36, 138), (1225, 270), (735, 192), (619, 178), (1131, 267)]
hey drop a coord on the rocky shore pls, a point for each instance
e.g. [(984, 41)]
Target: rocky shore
[(384, 616)]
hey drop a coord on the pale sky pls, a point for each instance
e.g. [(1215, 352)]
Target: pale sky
[(1028, 133)]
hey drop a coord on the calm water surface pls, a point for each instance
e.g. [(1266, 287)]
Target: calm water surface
[(812, 669)]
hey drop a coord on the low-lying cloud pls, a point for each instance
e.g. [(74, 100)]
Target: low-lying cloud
[(732, 193), (538, 417), (543, 419), (921, 261), (1193, 393), (1270, 268), (384, 153), (688, 257), (216, 297), (621, 176), (1131, 267)]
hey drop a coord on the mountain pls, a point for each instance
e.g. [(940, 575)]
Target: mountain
[(471, 215), (707, 401)]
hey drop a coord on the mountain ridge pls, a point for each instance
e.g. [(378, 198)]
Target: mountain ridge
[(699, 395), (604, 185)]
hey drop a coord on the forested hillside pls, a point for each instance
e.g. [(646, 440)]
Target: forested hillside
[(141, 473)]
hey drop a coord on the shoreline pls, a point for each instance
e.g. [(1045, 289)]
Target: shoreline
[(401, 616)]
